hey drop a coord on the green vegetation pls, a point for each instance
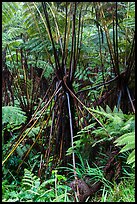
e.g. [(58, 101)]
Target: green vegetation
[(68, 101)]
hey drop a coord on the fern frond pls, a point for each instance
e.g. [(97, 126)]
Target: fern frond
[(131, 158), (13, 116), (128, 140), (125, 139), (128, 146), (30, 180)]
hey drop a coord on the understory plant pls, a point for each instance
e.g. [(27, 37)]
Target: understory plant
[(59, 59), (31, 189), (12, 118), (110, 190), (123, 192), (117, 127)]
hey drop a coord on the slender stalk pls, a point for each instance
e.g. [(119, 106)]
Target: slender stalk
[(64, 48), (72, 58), (99, 85), (116, 60), (23, 136), (57, 28), (72, 142), (89, 111), (101, 58), (119, 100), (130, 99), (71, 132), (51, 37)]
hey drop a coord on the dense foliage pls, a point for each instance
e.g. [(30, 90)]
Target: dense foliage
[(68, 101)]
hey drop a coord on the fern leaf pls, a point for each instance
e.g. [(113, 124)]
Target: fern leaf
[(131, 157), (27, 184), (33, 192), (128, 147), (108, 109), (125, 139), (13, 116), (47, 182)]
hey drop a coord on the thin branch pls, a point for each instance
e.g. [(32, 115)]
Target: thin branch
[(116, 62), (130, 99), (72, 142), (72, 58), (39, 115), (99, 85), (64, 79), (64, 48), (49, 29), (101, 58), (119, 99)]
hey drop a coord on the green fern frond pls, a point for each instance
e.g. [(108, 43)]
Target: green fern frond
[(131, 158), (32, 189), (125, 139), (108, 109), (129, 125), (128, 140), (33, 131), (13, 116), (128, 147), (30, 180)]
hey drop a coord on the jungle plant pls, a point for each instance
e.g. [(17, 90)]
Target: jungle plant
[(12, 117), (58, 39), (122, 192), (32, 190), (120, 128), (128, 140)]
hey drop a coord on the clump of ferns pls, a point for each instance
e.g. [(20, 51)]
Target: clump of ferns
[(121, 129), (52, 190)]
